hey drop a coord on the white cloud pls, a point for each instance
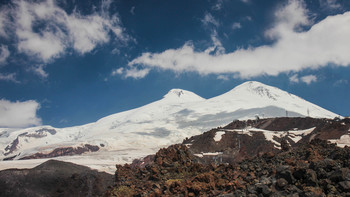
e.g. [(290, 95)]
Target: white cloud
[(330, 4), (39, 70), (118, 71), (294, 78), (9, 77), (341, 82), (19, 114), (248, 18), (236, 25), (209, 20), (223, 77), (3, 22), (63, 121), (218, 5), (308, 79), (60, 31), (132, 10), (293, 49), (136, 73), (289, 19), (131, 72), (217, 47), (4, 54), (115, 51)]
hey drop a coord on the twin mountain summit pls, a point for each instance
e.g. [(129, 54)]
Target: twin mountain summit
[(248, 113)]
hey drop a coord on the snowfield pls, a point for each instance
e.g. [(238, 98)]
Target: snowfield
[(136, 133)]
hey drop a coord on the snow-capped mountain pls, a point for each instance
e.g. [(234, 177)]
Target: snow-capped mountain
[(124, 136)]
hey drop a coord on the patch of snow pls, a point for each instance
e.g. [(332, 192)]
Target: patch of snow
[(208, 154), (212, 154), (295, 135), (343, 141), (218, 135), (198, 155), (244, 131)]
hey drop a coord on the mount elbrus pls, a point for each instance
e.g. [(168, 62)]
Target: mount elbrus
[(122, 137), (268, 157)]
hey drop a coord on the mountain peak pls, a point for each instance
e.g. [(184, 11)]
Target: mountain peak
[(260, 89), (252, 85), (177, 92), (182, 95)]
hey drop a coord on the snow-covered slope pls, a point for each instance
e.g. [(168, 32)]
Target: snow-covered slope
[(124, 136)]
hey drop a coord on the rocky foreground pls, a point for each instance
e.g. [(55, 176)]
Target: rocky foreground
[(318, 168), (54, 178)]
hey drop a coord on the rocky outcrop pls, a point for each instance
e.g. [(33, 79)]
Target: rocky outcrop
[(66, 151), (54, 178), (40, 133), (242, 139), (317, 168)]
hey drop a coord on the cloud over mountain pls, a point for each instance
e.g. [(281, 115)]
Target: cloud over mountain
[(19, 114), (293, 49)]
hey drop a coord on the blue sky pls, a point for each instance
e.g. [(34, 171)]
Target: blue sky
[(66, 63)]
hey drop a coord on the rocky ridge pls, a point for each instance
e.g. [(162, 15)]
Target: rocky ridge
[(246, 139), (261, 157), (54, 178), (318, 168)]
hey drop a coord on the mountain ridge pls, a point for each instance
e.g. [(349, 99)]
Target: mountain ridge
[(138, 132)]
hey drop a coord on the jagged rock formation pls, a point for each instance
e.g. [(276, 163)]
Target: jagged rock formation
[(317, 168)]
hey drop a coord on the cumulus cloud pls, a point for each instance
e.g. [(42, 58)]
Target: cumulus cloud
[(46, 31), (289, 19), (293, 49), (19, 114), (4, 54)]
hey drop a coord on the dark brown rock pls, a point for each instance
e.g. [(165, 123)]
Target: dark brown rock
[(345, 186), (281, 183)]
